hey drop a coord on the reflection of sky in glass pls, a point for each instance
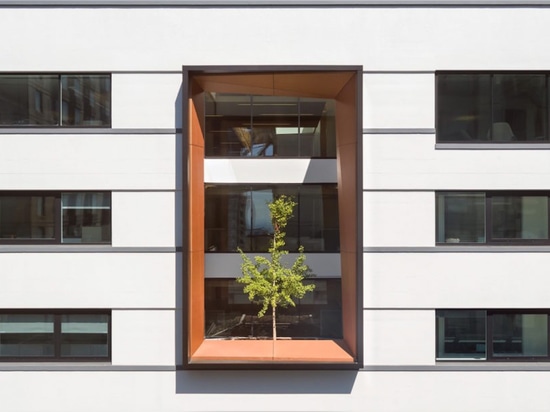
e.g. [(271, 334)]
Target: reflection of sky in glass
[(258, 220)]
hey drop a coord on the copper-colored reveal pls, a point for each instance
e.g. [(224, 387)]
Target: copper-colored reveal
[(346, 144), (196, 224), (340, 85)]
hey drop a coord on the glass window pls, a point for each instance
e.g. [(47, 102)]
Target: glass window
[(86, 217), (460, 218), (238, 217), (27, 217), (86, 100), (229, 313), (461, 334), (84, 335), (480, 107), (492, 334), (55, 100), (519, 335), (520, 218), (54, 335), (269, 126), (52, 217), (26, 335)]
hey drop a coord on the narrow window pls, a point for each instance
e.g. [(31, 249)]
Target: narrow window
[(27, 335)]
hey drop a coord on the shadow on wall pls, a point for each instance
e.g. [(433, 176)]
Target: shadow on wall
[(265, 382)]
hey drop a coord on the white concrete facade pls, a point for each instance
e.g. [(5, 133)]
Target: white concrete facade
[(406, 277)]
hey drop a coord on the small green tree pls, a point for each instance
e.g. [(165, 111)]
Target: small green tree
[(268, 282)]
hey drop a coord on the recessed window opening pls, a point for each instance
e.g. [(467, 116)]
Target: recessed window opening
[(237, 216), (269, 126), (230, 314)]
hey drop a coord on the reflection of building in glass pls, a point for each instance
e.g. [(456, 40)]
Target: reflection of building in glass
[(34, 100), (242, 125)]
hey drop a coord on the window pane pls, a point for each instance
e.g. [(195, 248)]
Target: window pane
[(238, 216), (519, 107), (27, 217), (463, 107), (84, 335), (517, 335), (26, 335), (86, 217), (460, 218), (29, 100), (86, 100), (229, 312), (266, 126), (461, 334), (520, 217)]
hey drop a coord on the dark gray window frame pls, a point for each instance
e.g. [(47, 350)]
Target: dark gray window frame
[(58, 216), (489, 335), (58, 313), (492, 73), (60, 103), (489, 240)]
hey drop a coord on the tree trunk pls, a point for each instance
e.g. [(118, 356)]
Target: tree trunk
[(274, 324)]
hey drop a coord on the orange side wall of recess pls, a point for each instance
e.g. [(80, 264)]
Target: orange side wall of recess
[(196, 222)]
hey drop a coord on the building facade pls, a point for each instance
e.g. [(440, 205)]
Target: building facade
[(141, 140)]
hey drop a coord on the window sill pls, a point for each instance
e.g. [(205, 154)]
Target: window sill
[(492, 146), (265, 352)]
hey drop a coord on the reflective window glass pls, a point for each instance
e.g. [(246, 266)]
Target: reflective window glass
[(519, 335), (27, 217), (269, 126), (86, 217), (26, 335), (86, 100), (484, 107), (463, 107), (29, 100), (79, 100), (84, 335), (460, 217), (519, 217), (238, 217), (229, 312), (461, 334)]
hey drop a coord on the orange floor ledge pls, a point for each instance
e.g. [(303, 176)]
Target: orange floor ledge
[(285, 350)]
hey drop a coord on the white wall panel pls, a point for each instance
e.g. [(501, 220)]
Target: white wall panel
[(456, 280), (87, 280), (398, 219), (270, 170), (141, 337), (146, 100), (82, 162), (144, 219), (228, 265), (399, 337), (272, 391), (412, 162), (398, 100), (451, 391), (390, 38)]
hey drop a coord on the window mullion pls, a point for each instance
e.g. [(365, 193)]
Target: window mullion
[(57, 336), (488, 218), (488, 335)]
